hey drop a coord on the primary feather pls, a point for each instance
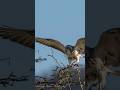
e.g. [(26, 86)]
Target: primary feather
[(51, 43), (21, 36)]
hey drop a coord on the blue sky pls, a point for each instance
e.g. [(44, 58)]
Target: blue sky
[(63, 20)]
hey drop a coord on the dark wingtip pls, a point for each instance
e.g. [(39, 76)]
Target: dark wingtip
[(37, 39)]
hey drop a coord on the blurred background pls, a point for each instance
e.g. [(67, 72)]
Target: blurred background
[(62, 20)]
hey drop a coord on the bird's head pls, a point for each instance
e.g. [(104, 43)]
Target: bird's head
[(69, 49)]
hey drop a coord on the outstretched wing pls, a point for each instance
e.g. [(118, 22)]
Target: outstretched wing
[(21, 36), (80, 45), (51, 43)]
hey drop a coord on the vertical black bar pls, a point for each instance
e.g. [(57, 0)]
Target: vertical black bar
[(102, 15), (16, 59)]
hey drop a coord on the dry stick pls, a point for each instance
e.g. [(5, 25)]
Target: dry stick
[(54, 57), (69, 84), (62, 71), (69, 69), (81, 86), (60, 66), (55, 60)]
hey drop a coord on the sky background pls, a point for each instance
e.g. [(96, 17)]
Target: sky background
[(63, 20)]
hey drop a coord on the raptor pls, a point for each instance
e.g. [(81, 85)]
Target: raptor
[(72, 52)]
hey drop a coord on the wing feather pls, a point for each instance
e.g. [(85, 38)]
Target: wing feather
[(51, 43), (80, 45), (21, 36)]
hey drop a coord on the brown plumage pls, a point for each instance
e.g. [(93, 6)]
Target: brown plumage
[(107, 52), (108, 47), (22, 36), (72, 52), (52, 43), (80, 45)]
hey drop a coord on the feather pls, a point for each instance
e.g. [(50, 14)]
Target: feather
[(21, 36)]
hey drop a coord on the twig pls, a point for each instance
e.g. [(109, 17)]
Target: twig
[(55, 60), (81, 85), (52, 53)]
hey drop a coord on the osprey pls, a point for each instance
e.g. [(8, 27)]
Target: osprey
[(21, 36), (106, 53), (73, 52)]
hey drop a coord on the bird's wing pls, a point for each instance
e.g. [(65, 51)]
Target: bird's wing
[(80, 45), (51, 43), (24, 37)]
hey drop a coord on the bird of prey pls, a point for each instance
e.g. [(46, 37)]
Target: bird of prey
[(107, 52), (72, 52), (21, 36)]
